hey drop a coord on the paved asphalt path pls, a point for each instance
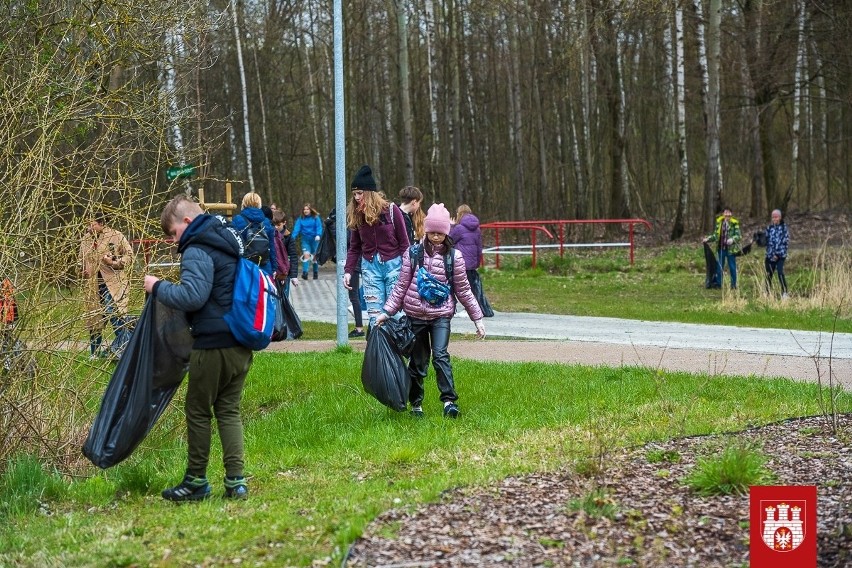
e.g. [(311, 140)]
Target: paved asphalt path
[(728, 350)]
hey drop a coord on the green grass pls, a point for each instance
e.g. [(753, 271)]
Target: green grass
[(664, 284), (730, 472), (324, 458)]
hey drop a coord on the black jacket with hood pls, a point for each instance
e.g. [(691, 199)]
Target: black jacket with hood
[(209, 252)]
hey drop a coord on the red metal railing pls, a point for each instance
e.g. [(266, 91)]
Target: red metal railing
[(148, 246), (536, 226)]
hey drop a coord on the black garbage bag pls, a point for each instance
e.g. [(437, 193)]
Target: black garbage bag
[(279, 330), (479, 293), (327, 248), (144, 381), (384, 373), (292, 321), (711, 277), (401, 335)]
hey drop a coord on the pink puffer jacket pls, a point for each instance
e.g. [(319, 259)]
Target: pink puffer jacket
[(404, 294)]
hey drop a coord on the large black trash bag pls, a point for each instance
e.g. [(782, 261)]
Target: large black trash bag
[(711, 277), (327, 247), (292, 321), (144, 381), (384, 373), (400, 333), (479, 294), (279, 331)]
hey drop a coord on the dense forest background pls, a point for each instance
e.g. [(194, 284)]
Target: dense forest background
[(661, 109)]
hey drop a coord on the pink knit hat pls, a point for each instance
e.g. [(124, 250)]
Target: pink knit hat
[(437, 219)]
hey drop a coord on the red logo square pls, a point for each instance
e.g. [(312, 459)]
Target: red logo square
[(783, 526)]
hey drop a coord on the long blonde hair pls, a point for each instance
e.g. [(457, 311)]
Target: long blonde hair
[(372, 205)]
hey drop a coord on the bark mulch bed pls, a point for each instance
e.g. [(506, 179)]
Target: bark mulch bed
[(654, 518)]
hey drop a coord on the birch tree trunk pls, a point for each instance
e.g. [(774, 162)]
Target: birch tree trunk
[(175, 52), (244, 91), (455, 35), (429, 25), (799, 74), (683, 196), (713, 181), (405, 94)]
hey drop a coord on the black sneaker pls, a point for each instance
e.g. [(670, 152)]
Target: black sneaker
[(316, 276), (417, 412), (451, 410), (190, 489), (236, 488), (357, 333), (304, 275)]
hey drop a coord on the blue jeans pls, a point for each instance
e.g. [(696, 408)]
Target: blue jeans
[(378, 278), (725, 254), (119, 323), (309, 247)]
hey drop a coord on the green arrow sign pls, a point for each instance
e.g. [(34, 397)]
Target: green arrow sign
[(179, 172)]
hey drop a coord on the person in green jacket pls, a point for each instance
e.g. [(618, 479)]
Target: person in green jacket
[(728, 237)]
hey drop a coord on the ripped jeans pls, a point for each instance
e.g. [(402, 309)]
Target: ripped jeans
[(378, 278)]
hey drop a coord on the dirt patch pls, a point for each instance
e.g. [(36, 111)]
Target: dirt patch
[(652, 518)]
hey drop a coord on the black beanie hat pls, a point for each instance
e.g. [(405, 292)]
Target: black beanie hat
[(364, 179), (267, 211)]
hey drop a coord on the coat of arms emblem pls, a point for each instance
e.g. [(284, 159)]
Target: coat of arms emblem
[(783, 524)]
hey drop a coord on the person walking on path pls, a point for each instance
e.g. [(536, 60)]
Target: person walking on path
[(468, 240), (286, 256), (728, 237), (249, 222), (410, 199), (777, 239), (105, 258), (218, 364), (431, 321), (309, 227), (378, 242)]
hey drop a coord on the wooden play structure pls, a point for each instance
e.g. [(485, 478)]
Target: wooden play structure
[(228, 207)]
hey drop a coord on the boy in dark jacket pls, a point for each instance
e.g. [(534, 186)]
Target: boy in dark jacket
[(218, 364)]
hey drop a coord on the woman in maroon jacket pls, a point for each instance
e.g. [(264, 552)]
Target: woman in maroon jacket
[(378, 240), (431, 322)]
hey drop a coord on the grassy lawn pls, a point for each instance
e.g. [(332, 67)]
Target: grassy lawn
[(668, 285), (324, 458)]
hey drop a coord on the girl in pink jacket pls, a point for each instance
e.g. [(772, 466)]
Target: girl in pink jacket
[(427, 295)]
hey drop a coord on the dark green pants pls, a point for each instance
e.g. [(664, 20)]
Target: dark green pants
[(216, 378)]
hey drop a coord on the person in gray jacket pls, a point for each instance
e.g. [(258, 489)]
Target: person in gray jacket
[(218, 364)]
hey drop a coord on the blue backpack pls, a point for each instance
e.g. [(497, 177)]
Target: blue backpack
[(252, 314)]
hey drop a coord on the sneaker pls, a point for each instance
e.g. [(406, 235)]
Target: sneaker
[(236, 488), (316, 276), (451, 410), (190, 489), (304, 275), (357, 333), (417, 412)]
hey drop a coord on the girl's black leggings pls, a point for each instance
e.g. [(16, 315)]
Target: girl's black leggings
[(431, 337)]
